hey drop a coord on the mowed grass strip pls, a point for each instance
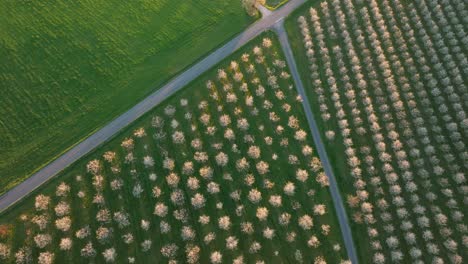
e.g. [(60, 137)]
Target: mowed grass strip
[(273, 4), (68, 68)]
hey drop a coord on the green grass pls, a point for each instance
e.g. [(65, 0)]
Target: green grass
[(68, 68), (280, 172), (274, 4)]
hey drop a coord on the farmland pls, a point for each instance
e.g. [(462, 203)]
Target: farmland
[(223, 172), (387, 84), (70, 67)]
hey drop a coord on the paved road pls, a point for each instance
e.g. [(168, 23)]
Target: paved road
[(111, 129), (337, 200)]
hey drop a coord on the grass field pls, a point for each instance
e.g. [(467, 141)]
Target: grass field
[(394, 94), (273, 4), (67, 68), (255, 98)]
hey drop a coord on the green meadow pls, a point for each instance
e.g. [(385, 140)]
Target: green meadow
[(69, 67)]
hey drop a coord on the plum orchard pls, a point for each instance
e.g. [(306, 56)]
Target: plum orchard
[(223, 173), (389, 79)]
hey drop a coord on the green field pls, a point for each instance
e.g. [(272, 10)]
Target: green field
[(239, 96), (69, 67), (404, 155), (273, 4)]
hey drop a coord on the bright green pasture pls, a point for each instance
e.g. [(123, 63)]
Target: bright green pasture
[(69, 67)]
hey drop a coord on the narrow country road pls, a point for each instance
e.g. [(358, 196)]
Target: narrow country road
[(269, 20), (336, 196), (111, 129)]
